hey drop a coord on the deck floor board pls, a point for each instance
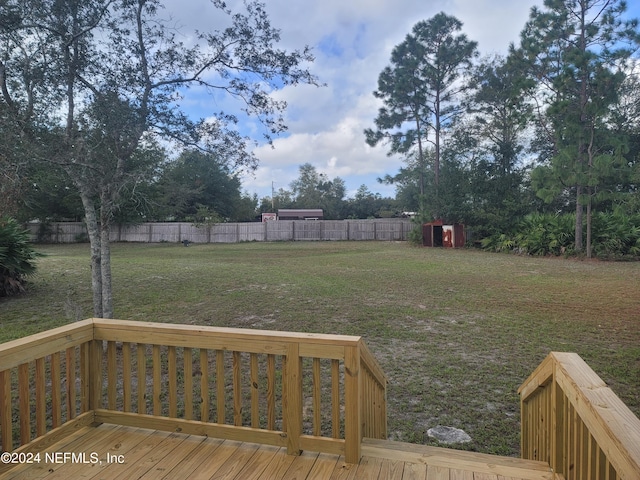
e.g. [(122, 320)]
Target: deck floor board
[(155, 455)]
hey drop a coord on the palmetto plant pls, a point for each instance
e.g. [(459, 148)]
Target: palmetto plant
[(615, 235), (17, 257)]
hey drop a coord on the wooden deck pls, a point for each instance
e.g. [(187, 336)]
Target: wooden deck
[(110, 399), (116, 451)]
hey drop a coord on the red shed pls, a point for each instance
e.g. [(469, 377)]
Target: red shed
[(436, 234)]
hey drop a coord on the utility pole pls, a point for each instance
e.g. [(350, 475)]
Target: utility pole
[(273, 194)]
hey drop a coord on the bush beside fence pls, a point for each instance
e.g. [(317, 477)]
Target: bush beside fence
[(281, 230)]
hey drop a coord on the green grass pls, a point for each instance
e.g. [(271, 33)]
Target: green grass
[(456, 331)]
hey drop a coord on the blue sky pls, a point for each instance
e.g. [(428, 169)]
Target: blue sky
[(352, 42)]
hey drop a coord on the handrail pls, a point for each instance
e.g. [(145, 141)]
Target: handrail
[(296, 390), (573, 421), (48, 364)]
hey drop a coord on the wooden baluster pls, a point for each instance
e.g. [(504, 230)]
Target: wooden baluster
[(142, 378), (353, 407), (157, 380), (126, 376), (25, 410), (317, 389), (173, 382), (112, 376), (56, 397), (220, 387), (271, 392), (85, 379), (237, 389), (335, 398), (188, 383), (95, 374), (41, 398), (70, 367), (6, 424), (204, 385), (255, 392)]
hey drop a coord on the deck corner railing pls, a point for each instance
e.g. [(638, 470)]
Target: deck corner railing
[(294, 390), (574, 422)]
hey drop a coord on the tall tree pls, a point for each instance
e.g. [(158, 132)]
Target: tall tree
[(574, 49), (420, 91), (495, 136), (315, 190), (197, 178), (97, 81)]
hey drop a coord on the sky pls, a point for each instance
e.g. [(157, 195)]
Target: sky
[(352, 42)]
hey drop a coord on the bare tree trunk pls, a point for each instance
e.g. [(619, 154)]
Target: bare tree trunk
[(96, 264), (105, 260), (589, 223), (579, 211)]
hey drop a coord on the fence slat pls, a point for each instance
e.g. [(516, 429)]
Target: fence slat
[(282, 230)]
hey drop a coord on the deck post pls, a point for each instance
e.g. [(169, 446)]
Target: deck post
[(292, 398), (353, 404), (95, 374)]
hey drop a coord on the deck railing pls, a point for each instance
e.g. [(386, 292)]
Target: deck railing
[(574, 422), (295, 390)]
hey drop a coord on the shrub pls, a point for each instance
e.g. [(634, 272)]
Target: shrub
[(536, 234), (17, 257), (614, 236)]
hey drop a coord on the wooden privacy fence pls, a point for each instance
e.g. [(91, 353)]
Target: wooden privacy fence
[(295, 390), (574, 422), (272, 231)]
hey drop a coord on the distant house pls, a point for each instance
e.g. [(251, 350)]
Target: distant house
[(300, 214)]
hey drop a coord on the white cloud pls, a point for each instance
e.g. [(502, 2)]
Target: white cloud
[(352, 42)]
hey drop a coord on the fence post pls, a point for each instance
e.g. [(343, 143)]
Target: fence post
[(353, 404)]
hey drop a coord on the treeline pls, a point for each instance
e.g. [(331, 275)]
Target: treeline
[(550, 130), (517, 147), (197, 187)]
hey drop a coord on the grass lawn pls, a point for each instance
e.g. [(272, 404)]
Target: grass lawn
[(456, 331)]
